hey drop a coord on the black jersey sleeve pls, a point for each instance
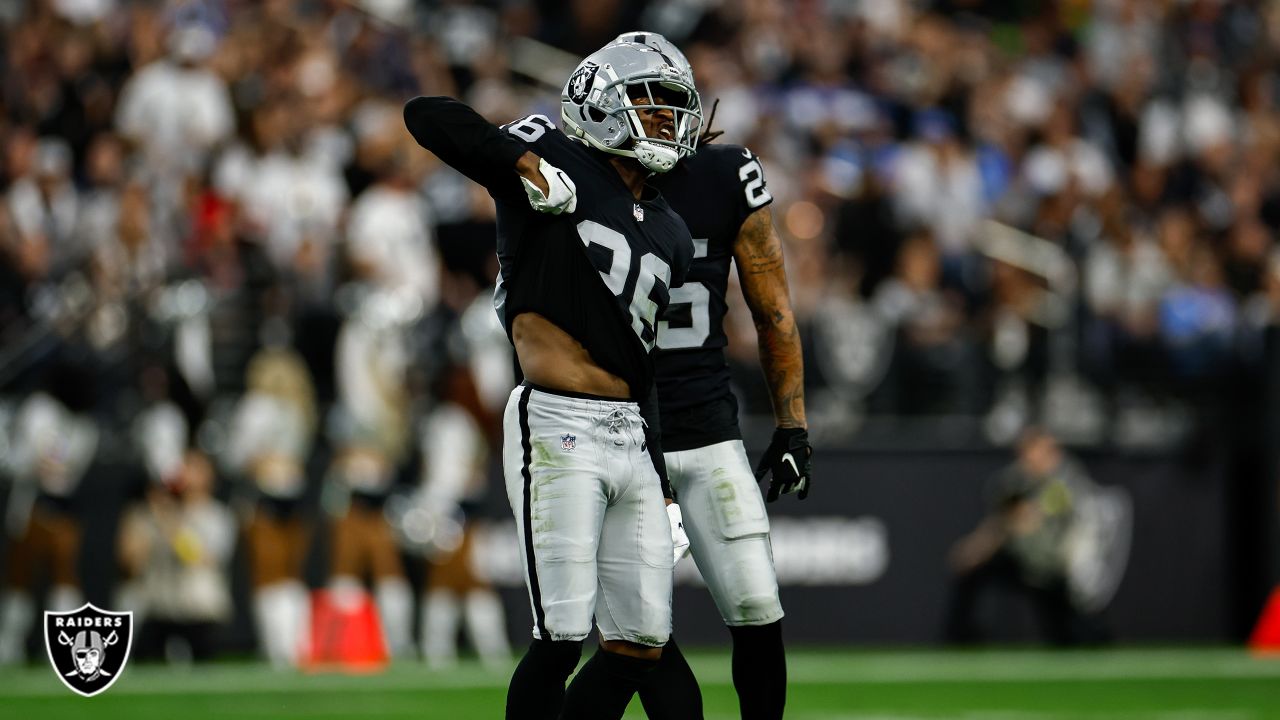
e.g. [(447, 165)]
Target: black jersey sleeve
[(466, 141)]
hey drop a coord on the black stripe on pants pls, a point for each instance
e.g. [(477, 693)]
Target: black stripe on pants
[(539, 617)]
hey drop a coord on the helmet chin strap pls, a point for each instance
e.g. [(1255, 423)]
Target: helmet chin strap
[(655, 157)]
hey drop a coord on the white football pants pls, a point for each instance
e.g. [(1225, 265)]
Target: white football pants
[(728, 530), (593, 529)]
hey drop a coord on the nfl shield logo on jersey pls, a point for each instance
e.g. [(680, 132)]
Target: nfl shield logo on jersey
[(89, 647), (638, 212), (568, 442)]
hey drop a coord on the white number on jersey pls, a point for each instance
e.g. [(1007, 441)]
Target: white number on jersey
[(684, 338), (530, 128), (643, 309), (699, 299), (753, 175)]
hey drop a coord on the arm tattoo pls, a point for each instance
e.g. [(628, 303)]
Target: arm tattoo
[(758, 249), (758, 253)]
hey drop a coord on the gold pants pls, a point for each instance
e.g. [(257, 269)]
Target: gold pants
[(453, 571), (277, 548), (52, 541), (364, 546)]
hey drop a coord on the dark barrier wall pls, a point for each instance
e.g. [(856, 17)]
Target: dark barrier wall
[(863, 559), (1173, 590)]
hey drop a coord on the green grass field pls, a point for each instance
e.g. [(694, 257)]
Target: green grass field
[(1218, 684)]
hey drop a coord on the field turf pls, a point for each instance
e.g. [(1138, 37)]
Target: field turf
[(1173, 684)]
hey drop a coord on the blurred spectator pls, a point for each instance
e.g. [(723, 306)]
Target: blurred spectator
[(1198, 318), (175, 109), (1020, 316), (178, 545), (368, 427), (456, 442), (291, 195), (933, 359), (867, 232), (272, 430), (389, 241), (1026, 543), (1263, 307), (937, 184), (161, 436), (128, 258), (54, 442), (44, 208), (1125, 275), (362, 545)]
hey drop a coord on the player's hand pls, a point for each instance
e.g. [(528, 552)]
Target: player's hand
[(561, 196), (679, 539), (788, 458)]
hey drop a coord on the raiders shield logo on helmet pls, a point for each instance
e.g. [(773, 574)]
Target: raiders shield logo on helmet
[(580, 83), (88, 647)]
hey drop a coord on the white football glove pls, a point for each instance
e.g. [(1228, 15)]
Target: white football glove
[(679, 540), (563, 197)]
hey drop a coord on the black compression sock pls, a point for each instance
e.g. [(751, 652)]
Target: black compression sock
[(760, 670), (536, 691), (671, 691), (604, 686)]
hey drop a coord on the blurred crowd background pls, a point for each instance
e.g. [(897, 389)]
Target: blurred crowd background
[(224, 262)]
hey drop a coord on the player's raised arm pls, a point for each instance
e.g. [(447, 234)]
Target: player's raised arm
[(472, 145), (758, 255)]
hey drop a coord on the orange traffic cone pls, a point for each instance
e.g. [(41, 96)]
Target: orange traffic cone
[(1266, 634), (345, 634)]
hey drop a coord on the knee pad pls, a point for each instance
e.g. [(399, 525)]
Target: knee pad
[(750, 610)]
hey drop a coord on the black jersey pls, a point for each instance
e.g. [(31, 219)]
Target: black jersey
[(714, 191), (603, 273)]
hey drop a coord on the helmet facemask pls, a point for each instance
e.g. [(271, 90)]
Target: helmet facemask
[(660, 154)]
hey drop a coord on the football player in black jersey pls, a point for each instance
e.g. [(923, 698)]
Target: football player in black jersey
[(722, 196), (584, 275)]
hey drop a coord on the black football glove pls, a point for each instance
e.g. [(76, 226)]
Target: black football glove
[(788, 457)]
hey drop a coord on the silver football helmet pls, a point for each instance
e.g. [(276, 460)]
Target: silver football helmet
[(657, 42), (597, 104)]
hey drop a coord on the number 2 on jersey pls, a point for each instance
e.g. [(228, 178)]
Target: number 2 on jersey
[(753, 175), (643, 309)]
